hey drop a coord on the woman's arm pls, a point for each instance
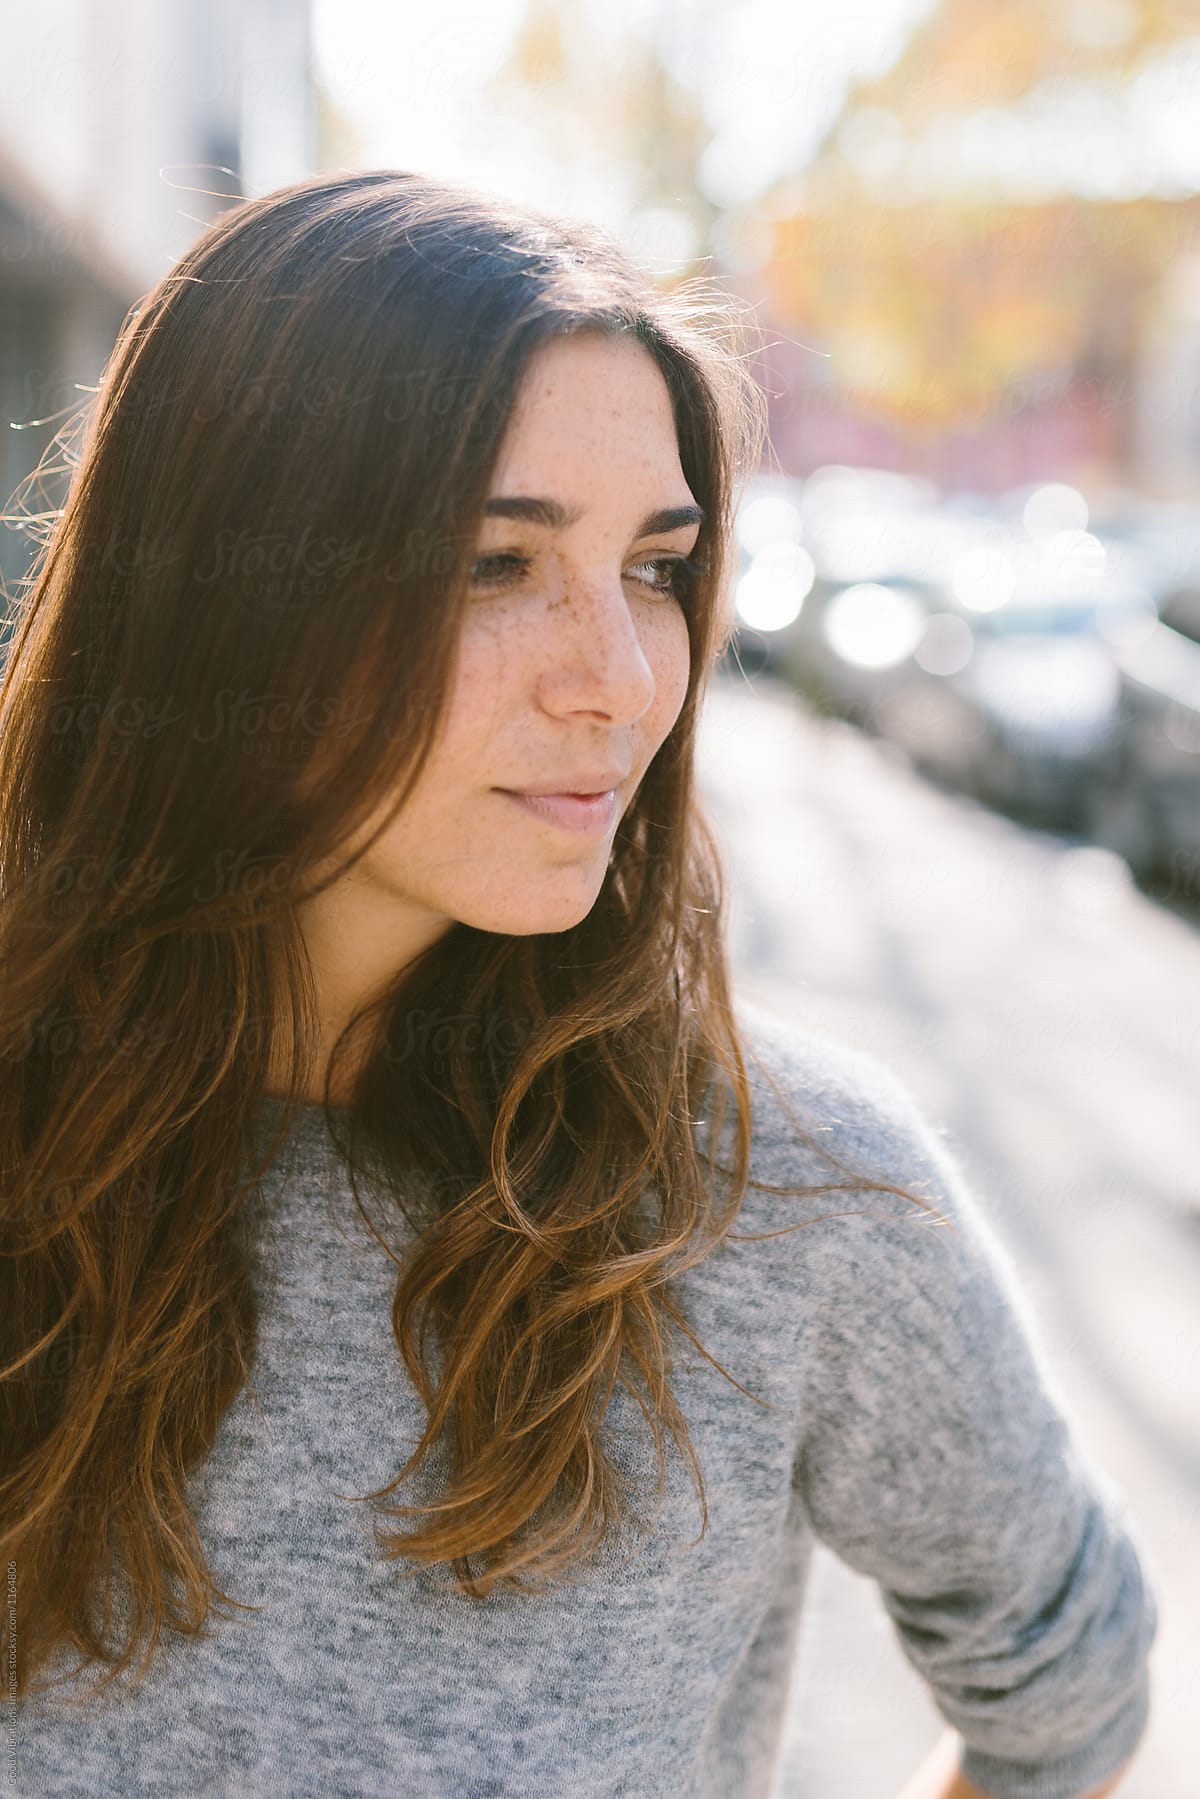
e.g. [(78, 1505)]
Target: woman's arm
[(939, 1776), (933, 1457)]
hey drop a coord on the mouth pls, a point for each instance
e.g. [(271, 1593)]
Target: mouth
[(585, 814)]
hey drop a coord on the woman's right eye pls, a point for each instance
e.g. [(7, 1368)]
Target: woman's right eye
[(499, 570)]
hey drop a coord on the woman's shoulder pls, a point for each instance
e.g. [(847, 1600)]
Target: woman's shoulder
[(815, 1063), (916, 1274), (848, 1099), (925, 1226)]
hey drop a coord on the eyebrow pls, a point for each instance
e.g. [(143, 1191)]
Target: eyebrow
[(557, 517)]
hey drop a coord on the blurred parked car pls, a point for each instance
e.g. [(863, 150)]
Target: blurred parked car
[(796, 537), (1008, 650), (1044, 686), (1145, 798), (768, 528), (994, 667)]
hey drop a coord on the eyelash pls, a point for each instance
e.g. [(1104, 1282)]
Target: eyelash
[(683, 572)]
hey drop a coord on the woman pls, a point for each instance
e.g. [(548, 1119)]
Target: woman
[(352, 853)]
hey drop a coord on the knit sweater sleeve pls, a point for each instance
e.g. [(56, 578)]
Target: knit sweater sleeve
[(936, 1457)]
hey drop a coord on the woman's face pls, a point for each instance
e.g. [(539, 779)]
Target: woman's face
[(572, 667)]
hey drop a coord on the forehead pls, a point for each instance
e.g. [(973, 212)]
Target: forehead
[(588, 392)]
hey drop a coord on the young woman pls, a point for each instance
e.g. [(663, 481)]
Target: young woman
[(375, 1113)]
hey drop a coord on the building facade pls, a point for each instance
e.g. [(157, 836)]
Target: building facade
[(126, 127)]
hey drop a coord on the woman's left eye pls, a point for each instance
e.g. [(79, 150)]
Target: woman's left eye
[(675, 569), (506, 568)]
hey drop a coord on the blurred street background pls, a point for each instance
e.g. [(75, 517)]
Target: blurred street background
[(954, 751)]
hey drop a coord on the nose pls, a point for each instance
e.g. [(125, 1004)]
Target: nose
[(594, 658)]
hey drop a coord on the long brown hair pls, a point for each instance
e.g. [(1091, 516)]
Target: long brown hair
[(233, 647)]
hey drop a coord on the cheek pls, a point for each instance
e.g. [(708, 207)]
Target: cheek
[(670, 657), (481, 670)]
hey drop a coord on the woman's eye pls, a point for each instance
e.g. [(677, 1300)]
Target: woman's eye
[(676, 573), (677, 570), (497, 571)]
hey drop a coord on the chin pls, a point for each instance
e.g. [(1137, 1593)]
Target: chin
[(539, 920)]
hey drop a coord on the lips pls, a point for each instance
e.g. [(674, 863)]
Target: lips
[(585, 814), (585, 785)]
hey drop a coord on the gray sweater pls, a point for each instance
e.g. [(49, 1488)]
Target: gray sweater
[(914, 1429)]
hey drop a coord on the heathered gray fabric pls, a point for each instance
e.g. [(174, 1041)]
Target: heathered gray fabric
[(914, 1431)]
